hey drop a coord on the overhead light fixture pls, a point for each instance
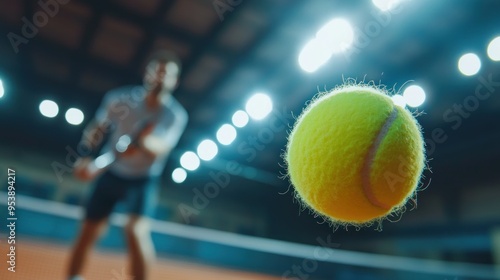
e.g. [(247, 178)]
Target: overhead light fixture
[(2, 90), (207, 150), (190, 161), (179, 175), (386, 5), (259, 106), (314, 55), (337, 35), (414, 96), (469, 64), (48, 108), (494, 49), (74, 116), (240, 118), (399, 100), (226, 134)]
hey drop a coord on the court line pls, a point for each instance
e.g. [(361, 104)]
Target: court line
[(284, 248)]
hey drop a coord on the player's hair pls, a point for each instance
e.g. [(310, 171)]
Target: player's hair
[(165, 56)]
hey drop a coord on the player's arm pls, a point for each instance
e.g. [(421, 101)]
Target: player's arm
[(153, 146), (93, 134), (150, 144), (92, 137), (162, 138)]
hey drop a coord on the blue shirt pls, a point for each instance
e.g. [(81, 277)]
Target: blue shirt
[(126, 110)]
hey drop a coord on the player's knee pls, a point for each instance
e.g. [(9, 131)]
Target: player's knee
[(137, 227), (93, 229)]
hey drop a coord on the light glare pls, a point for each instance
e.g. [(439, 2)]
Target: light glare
[(226, 134), (314, 55), (469, 64), (494, 49), (337, 35), (48, 108), (386, 5), (190, 161), (259, 106), (207, 150), (240, 118), (414, 96), (399, 100), (2, 90), (179, 175), (74, 116)]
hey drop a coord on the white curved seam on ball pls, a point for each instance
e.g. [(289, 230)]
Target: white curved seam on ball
[(370, 158)]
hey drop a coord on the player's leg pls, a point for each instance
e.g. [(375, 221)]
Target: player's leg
[(104, 196), (89, 233), (141, 202), (140, 244)]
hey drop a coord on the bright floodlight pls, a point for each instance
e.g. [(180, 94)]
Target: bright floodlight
[(386, 5), (190, 161), (259, 106), (226, 134), (494, 49), (179, 175), (399, 100), (48, 108), (414, 96), (314, 55), (240, 118), (469, 64), (207, 150), (2, 91), (74, 116), (337, 35)]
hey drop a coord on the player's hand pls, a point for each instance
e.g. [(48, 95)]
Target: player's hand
[(81, 169), (130, 151)]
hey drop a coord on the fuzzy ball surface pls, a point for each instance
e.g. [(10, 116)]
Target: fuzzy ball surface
[(354, 156)]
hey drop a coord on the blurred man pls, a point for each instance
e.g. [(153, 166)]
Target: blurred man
[(152, 121)]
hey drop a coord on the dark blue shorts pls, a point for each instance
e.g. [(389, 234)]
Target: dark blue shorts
[(139, 196)]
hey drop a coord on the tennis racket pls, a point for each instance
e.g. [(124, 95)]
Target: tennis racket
[(104, 161)]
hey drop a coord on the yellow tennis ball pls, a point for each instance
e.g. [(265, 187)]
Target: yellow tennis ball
[(354, 156)]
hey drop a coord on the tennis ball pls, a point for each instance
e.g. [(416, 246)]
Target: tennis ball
[(354, 156)]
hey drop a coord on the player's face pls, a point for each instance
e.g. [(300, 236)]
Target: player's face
[(161, 76)]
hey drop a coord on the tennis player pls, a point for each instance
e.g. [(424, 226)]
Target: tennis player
[(154, 121)]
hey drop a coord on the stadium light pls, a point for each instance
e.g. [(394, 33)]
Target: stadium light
[(240, 118), (207, 150), (336, 36), (259, 106), (469, 64), (190, 161), (386, 5), (414, 96), (314, 55), (494, 49), (74, 116), (226, 134), (2, 90), (48, 108), (179, 175), (399, 100)]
